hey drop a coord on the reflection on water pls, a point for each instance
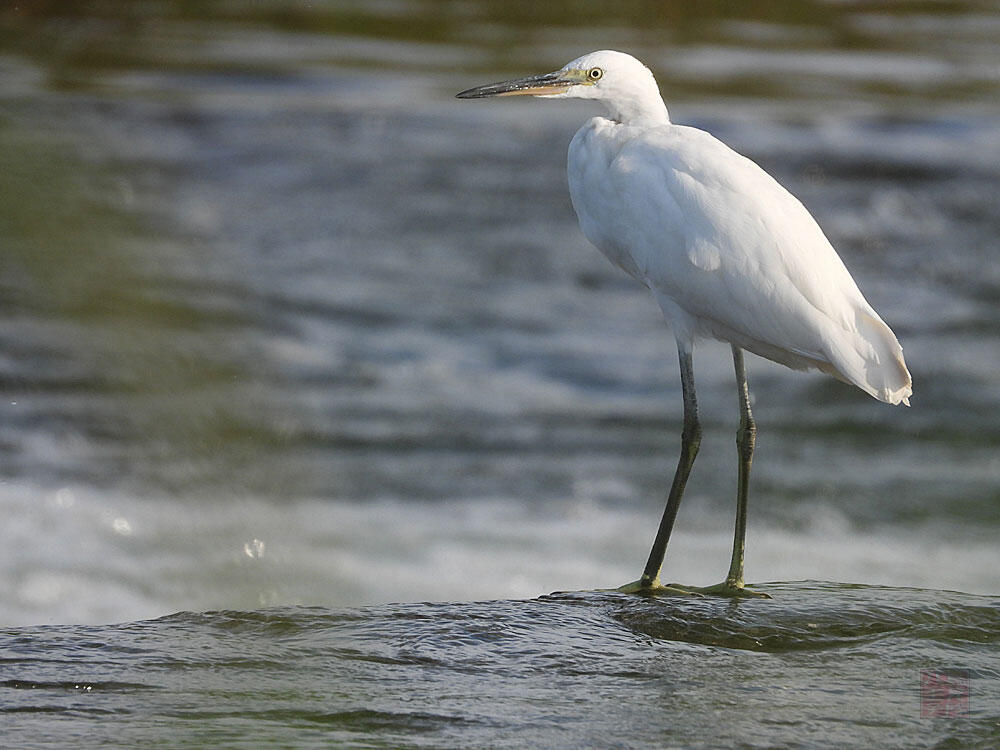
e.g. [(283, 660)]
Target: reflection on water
[(263, 278)]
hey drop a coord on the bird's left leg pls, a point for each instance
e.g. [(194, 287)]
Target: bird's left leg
[(746, 437)]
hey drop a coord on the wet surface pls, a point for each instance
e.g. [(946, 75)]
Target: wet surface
[(818, 664)]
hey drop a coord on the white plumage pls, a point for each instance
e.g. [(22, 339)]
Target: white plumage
[(727, 252)]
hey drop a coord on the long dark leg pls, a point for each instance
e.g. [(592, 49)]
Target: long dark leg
[(690, 440), (746, 437)]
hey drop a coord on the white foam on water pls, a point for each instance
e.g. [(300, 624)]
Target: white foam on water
[(80, 556)]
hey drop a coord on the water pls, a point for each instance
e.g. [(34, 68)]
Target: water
[(820, 665), (286, 331)]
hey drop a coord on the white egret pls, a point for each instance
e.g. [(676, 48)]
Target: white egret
[(727, 252)]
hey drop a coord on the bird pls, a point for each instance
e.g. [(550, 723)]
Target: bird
[(728, 254)]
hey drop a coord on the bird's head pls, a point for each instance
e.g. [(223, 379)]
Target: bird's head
[(623, 84)]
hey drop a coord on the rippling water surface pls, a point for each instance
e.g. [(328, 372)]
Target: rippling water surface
[(819, 665), (283, 324)]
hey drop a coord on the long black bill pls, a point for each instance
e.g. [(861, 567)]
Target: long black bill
[(547, 83)]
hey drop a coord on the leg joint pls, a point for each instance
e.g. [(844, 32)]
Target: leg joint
[(691, 434), (746, 437)]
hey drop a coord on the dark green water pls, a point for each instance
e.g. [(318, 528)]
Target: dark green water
[(819, 665)]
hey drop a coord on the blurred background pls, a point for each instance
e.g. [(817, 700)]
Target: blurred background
[(282, 321)]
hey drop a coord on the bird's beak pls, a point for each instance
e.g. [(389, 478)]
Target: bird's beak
[(541, 85)]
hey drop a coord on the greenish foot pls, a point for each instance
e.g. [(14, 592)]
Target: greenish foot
[(655, 587), (727, 588), (731, 589)]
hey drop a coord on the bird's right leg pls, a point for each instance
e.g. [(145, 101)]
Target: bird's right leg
[(690, 441)]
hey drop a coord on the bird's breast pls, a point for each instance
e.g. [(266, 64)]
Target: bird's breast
[(592, 152)]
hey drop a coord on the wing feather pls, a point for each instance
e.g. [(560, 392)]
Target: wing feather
[(710, 231)]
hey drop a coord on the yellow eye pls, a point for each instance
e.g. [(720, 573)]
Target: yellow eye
[(594, 74)]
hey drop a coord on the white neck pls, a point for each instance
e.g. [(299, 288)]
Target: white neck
[(647, 109)]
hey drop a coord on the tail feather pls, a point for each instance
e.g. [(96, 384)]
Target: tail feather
[(872, 359)]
